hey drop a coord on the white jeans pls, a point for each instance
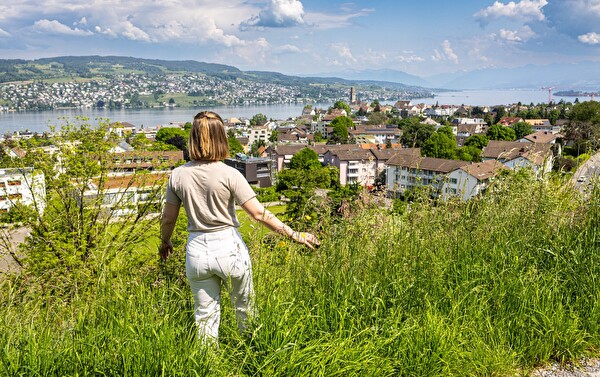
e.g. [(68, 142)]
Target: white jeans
[(213, 259)]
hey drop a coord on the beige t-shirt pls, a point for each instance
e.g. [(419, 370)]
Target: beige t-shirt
[(207, 190)]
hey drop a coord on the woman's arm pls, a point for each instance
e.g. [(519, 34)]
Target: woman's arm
[(258, 212), (169, 219)]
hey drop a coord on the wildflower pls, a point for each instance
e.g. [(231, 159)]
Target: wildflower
[(307, 217), (281, 243)]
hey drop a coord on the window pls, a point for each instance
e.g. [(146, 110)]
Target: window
[(15, 196), (14, 183), (453, 181)]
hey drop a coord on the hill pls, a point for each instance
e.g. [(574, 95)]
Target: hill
[(106, 66)]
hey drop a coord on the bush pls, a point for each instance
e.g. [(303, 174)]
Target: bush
[(267, 194)]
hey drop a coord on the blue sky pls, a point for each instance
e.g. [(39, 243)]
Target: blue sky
[(310, 36)]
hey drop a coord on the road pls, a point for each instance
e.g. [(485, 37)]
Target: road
[(587, 172), (9, 240)]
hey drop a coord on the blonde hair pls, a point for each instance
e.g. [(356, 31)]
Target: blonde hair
[(208, 140)]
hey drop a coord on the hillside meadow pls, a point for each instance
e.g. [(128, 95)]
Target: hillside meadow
[(493, 287)]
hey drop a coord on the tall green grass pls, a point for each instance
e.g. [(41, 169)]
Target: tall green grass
[(495, 286)]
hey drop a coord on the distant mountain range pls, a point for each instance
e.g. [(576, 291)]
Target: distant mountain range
[(562, 76)]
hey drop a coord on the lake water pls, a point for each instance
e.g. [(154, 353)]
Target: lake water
[(42, 120)]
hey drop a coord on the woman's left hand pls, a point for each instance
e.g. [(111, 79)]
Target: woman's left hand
[(165, 249)]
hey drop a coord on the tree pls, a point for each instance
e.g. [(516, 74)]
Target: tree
[(469, 153), (440, 145), (141, 142), (339, 104), (478, 141), (80, 235), (584, 126), (234, 146), (414, 134), (377, 118), (273, 137), (258, 119), (340, 126), (318, 137), (500, 132), (306, 159), (521, 129), (178, 142), (256, 146), (500, 113), (167, 133)]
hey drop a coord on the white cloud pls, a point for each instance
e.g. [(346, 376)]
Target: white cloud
[(344, 52), (476, 54), (409, 59), (55, 27), (278, 13), (447, 53), (334, 21), (524, 10), (589, 38), (4, 33), (516, 36), (287, 48)]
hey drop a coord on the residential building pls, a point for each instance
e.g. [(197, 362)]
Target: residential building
[(123, 195), (258, 133), (406, 171), (22, 185), (545, 137), (130, 162), (257, 171), (515, 155), (509, 121), (440, 111), (470, 180), (356, 165), (542, 125), (380, 134)]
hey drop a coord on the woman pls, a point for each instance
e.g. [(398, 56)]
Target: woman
[(215, 252)]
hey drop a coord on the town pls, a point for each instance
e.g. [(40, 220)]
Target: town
[(170, 90), (452, 151)]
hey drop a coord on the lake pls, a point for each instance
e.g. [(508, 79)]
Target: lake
[(41, 121)]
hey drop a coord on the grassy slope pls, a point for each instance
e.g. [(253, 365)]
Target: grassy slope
[(486, 288)]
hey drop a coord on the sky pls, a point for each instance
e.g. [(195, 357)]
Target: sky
[(304, 37)]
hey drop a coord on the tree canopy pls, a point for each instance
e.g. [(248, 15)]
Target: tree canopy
[(500, 132), (440, 144), (584, 126), (340, 126), (258, 119), (339, 104), (306, 159), (521, 129), (414, 134)]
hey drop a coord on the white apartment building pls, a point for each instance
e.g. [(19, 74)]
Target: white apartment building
[(22, 185), (408, 171), (258, 133), (470, 180)]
